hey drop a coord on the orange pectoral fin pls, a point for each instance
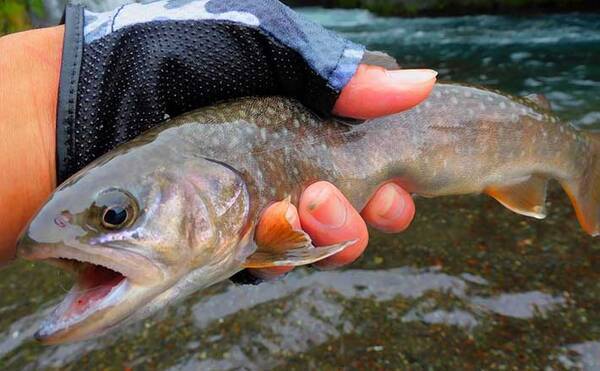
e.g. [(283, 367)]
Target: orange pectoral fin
[(275, 233), (527, 197), (278, 243), (300, 256)]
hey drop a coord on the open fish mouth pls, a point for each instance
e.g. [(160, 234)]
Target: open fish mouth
[(107, 290), (96, 289)]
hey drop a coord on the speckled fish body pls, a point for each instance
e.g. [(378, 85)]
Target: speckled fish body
[(461, 140), (196, 187)]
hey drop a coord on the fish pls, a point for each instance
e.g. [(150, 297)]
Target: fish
[(176, 209)]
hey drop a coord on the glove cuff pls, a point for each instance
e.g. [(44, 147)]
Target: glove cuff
[(67, 88)]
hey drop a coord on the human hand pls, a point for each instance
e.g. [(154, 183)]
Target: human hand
[(323, 212), (30, 65)]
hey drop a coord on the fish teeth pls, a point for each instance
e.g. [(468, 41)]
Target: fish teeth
[(83, 260)]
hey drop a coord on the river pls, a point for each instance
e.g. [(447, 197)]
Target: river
[(469, 286)]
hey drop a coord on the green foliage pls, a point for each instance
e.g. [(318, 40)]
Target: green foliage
[(37, 7), (15, 14)]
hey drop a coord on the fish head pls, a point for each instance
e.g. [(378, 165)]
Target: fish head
[(137, 235)]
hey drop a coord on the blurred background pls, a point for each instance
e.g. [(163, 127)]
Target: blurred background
[(469, 286), (19, 14)]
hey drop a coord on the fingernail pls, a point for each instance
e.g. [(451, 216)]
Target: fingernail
[(291, 215), (394, 205), (328, 209), (411, 76)]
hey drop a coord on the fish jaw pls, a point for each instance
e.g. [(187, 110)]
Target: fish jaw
[(80, 315), (110, 286), (135, 267)]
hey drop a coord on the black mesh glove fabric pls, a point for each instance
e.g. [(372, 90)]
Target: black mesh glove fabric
[(127, 70)]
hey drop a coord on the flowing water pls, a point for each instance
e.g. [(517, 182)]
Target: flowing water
[(469, 286)]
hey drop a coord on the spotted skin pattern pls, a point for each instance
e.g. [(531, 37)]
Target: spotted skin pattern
[(459, 141)]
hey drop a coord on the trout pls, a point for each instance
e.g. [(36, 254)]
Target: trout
[(176, 209)]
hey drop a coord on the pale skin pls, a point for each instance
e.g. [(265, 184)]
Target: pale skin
[(29, 75)]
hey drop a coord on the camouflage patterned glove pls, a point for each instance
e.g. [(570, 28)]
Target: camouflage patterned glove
[(126, 70)]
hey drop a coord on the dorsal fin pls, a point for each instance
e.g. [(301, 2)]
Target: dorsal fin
[(526, 197), (539, 100)]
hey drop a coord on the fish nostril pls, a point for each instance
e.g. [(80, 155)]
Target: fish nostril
[(62, 220)]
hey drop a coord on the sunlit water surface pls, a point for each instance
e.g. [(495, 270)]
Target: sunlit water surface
[(469, 286)]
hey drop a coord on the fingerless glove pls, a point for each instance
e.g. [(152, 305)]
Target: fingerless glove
[(126, 70)]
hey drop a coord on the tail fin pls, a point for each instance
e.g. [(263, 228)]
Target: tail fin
[(585, 191)]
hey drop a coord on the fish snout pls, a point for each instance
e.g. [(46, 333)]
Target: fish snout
[(25, 245), (31, 248), (47, 229)]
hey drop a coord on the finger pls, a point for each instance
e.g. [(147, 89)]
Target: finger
[(329, 218), (391, 209), (292, 217), (374, 91)]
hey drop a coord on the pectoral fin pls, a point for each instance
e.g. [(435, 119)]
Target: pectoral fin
[(527, 197), (278, 243), (299, 256), (275, 233)]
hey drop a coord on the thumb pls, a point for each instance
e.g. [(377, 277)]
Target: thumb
[(374, 91)]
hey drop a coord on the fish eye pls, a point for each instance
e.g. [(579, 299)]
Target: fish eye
[(117, 209), (114, 217)]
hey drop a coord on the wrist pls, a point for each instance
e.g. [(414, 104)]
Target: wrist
[(29, 69)]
